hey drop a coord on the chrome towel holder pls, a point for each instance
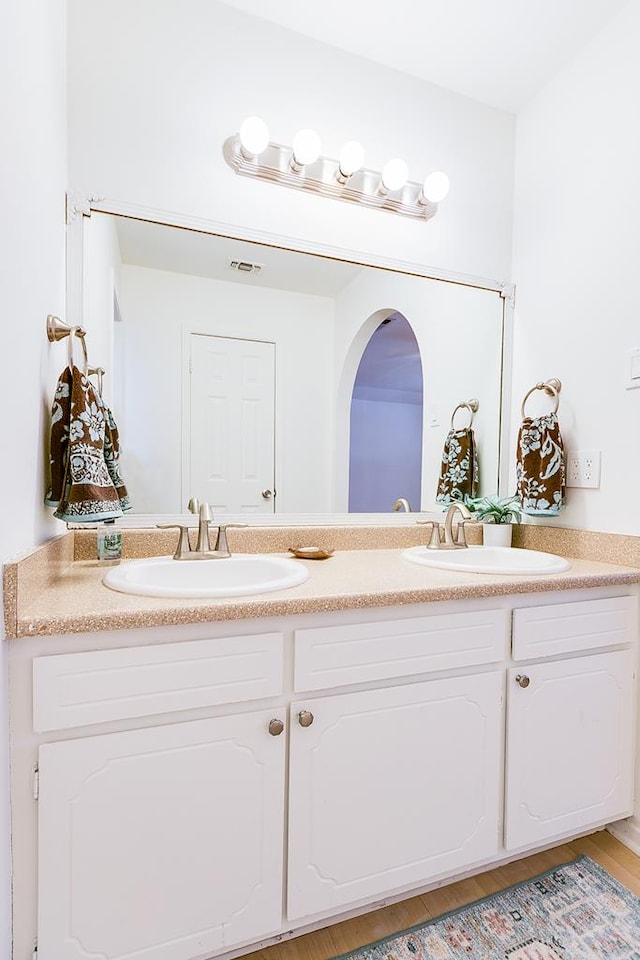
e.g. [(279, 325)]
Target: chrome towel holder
[(470, 405), (98, 373), (57, 329), (551, 387)]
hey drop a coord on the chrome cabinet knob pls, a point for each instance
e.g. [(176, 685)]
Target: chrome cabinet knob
[(305, 718), (267, 494), (523, 680), (276, 727)]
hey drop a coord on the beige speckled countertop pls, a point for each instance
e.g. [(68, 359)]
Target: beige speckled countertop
[(68, 596)]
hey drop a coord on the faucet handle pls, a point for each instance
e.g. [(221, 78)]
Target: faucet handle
[(221, 540), (461, 537), (184, 545), (436, 533)]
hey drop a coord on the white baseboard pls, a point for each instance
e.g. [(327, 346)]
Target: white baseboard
[(627, 832)]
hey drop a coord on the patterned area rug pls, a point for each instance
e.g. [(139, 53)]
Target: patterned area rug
[(575, 912)]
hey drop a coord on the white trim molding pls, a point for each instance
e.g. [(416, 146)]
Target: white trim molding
[(170, 218), (627, 832)]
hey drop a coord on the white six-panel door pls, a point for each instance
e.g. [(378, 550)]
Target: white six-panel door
[(163, 843), (391, 787), (231, 432), (569, 746)]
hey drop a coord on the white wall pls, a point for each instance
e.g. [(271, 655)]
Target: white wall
[(157, 86), (159, 309), (32, 184), (577, 207)]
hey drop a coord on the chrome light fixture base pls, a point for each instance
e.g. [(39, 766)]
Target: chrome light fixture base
[(324, 177)]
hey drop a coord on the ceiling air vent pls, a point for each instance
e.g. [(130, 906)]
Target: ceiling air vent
[(244, 266)]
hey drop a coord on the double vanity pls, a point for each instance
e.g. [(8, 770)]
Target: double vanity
[(194, 777)]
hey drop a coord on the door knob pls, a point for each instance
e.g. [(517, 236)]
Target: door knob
[(267, 494), (305, 718), (276, 727), (523, 680)]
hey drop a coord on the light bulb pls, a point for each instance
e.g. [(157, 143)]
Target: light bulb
[(254, 136), (351, 158), (306, 147), (435, 187), (395, 174)]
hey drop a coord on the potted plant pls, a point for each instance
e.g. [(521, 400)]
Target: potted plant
[(497, 515)]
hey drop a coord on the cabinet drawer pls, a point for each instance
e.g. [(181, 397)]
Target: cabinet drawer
[(335, 656), (567, 627), (71, 690)]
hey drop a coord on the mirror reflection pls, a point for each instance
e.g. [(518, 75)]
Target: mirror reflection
[(386, 405), (265, 380)]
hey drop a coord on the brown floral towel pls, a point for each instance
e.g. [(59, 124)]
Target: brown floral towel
[(540, 466), (459, 468), (85, 476)]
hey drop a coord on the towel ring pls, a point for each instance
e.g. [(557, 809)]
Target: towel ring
[(471, 406), (551, 387), (80, 334), (98, 373)]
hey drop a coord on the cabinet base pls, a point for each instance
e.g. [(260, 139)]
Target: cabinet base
[(627, 832)]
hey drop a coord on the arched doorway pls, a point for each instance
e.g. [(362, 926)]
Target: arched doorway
[(385, 447)]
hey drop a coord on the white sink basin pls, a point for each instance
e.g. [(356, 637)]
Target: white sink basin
[(502, 560), (241, 575)]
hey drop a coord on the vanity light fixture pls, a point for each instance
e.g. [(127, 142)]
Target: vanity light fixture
[(251, 153)]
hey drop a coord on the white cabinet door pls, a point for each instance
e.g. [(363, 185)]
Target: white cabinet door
[(569, 746), (161, 844), (391, 787)]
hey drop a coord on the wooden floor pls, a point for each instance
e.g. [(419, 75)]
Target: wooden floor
[(617, 859)]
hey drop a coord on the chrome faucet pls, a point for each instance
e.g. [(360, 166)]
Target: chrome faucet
[(466, 516), (205, 517), (443, 538), (203, 551), (402, 504)]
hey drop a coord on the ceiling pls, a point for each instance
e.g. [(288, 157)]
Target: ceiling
[(500, 52), (161, 247)]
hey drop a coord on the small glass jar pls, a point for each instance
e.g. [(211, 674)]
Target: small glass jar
[(109, 541)]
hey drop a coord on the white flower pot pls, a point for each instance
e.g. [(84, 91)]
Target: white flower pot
[(497, 534)]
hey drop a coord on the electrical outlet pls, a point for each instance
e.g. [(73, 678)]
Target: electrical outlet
[(583, 469)]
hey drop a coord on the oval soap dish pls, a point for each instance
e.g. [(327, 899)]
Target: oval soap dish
[(311, 553)]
